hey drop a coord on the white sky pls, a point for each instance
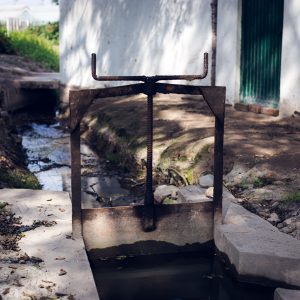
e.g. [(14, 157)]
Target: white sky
[(26, 2), (39, 10)]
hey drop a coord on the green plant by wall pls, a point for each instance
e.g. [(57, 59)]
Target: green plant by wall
[(48, 31), (35, 47)]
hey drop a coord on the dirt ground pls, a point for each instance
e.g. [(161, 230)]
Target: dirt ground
[(13, 171), (261, 153)]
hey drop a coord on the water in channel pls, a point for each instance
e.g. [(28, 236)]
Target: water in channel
[(167, 277), (48, 157)]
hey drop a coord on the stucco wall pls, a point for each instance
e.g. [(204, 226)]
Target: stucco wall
[(228, 48), (290, 67), (133, 37)]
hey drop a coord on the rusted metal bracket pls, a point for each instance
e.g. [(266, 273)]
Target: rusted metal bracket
[(80, 100)]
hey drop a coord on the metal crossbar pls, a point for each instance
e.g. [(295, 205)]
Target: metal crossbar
[(80, 100)]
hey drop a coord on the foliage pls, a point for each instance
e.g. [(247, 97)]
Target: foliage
[(48, 31), (35, 47), (293, 197), (6, 46), (19, 179)]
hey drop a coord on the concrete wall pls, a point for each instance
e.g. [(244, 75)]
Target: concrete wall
[(228, 48), (133, 37), (290, 69)]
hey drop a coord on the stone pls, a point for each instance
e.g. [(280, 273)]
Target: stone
[(206, 181), (285, 294), (169, 201), (192, 193), (288, 229), (289, 221), (210, 192), (274, 218), (164, 191), (280, 225)]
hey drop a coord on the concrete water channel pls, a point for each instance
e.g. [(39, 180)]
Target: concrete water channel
[(187, 275)]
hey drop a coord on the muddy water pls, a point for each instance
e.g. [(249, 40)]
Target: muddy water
[(172, 277), (48, 154)]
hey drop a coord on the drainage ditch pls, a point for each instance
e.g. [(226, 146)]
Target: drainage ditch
[(172, 276)]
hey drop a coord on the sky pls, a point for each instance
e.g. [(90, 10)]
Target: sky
[(26, 2), (39, 10)]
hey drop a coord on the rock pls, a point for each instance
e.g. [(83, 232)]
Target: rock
[(275, 204), (280, 225), (191, 193), (273, 219), (169, 201), (289, 221), (62, 272), (288, 229), (210, 192), (206, 181), (164, 191)]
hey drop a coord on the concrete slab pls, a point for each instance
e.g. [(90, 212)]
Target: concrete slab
[(192, 193), (65, 269), (284, 294), (119, 230), (255, 248), (36, 81)]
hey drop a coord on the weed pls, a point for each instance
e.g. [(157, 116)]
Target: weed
[(19, 179), (260, 182), (292, 198)]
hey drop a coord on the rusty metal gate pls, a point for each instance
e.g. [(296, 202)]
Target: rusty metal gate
[(80, 100)]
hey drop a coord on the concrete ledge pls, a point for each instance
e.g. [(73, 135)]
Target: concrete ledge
[(255, 248), (52, 244), (119, 231), (284, 294)]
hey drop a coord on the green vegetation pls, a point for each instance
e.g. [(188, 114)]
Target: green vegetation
[(19, 179), (39, 43), (292, 198), (37, 48), (48, 31), (5, 42)]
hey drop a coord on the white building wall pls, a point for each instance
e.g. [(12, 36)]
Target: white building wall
[(290, 67), (133, 37), (228, 48)]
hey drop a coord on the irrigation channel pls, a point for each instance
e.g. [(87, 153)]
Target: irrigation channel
[(181, 276)]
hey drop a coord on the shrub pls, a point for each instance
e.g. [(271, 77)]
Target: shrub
[(6, 46), (48, 31)]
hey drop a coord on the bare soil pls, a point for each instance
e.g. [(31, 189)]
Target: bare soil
[(261, 153), (13, 171)]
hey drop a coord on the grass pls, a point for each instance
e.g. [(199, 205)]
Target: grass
[(35, 47), (292, 198), (19, 179)]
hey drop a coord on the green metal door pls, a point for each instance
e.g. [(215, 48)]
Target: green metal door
[(262, 22)]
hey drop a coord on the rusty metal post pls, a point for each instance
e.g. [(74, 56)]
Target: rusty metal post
[(218, 170), (148, 220), (76, 182)]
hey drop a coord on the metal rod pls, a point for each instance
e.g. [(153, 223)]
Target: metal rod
[(76, 182), (149, 183), (145, 78), (218, 170), (214, 17)]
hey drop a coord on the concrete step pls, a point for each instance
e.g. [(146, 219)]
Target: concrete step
[(65, 268)]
